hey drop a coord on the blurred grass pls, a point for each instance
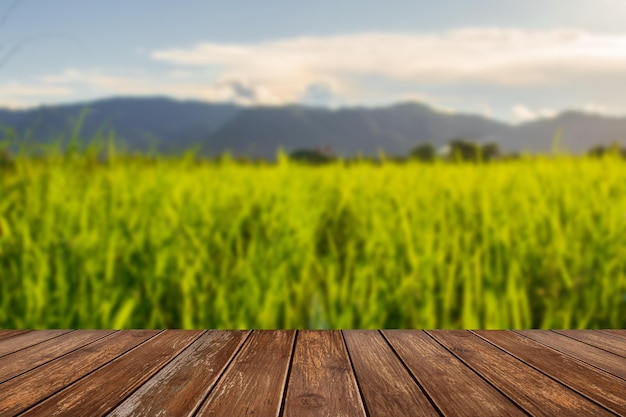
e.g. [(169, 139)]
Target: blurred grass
[(155, 242)]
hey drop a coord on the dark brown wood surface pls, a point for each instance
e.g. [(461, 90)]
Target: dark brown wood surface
[(616, 332), (33, 356), (180, 387), (532, 390), (254, 383), (28, 389), (19, 342), (454, 388), (388, 388), (312, 373), (595, 384), (101, 390), (603, 340), (5, 334), (592, 355), (321, 381)]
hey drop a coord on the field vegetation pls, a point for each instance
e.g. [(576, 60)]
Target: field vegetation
[(152, 242)]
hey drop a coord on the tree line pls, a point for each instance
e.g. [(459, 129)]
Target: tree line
[(457, 150)]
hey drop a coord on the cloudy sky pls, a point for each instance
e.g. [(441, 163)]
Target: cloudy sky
[(508, 59)]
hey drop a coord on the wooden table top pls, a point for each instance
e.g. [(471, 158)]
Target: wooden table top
[(312, 373)]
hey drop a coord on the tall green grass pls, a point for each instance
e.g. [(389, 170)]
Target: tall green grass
[(173, 243)]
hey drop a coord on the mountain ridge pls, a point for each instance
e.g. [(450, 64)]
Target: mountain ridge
[(170, 125)]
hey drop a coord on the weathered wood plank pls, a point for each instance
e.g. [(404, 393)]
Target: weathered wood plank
[(22, 341), (354, 372), (615, 332), (454, 388), (591, 382), (388, 388), (31, 357), (5, 334), (180, 387), (96, 394), (592, 355), (27, 389), (321, 381), (254, 382), (536, 393), (598, 339)]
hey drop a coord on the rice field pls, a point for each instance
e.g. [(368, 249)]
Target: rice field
[(538, 242)]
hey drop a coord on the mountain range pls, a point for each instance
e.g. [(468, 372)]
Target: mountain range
[(168, 125)]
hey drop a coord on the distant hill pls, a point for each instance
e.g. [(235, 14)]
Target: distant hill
[(141, 122), (394, 130), (170, 125), (578, 131)]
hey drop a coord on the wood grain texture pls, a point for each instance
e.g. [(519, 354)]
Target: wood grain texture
[(454, 388), (22, 341), (536, 393), (254, 383), (5, 334), (25, 390), (31, 357), (615, 332), (601, 340), (101, 391), (321, 381), (388, 388), (592, 355), (180, 387), (310, 373), (591, 382)]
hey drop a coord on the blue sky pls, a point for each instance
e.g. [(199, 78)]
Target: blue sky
[(508, 59)]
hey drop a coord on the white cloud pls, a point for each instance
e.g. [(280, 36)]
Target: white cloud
[(443, 109), (240, 91), (13, 104), (487, 110), (21, 90), (603, 110), (96, 79), (491, 55), (75, 83), (18, 95), (358, 69), (322, 93), (522, 114)]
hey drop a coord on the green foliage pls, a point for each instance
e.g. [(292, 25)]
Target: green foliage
[(154, 242), (315, 156), (601, 150), (424, 152), (311, 156), (490, 151), (6, 160), (463, 150)]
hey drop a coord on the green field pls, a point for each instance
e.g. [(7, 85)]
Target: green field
[(172, 243)]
